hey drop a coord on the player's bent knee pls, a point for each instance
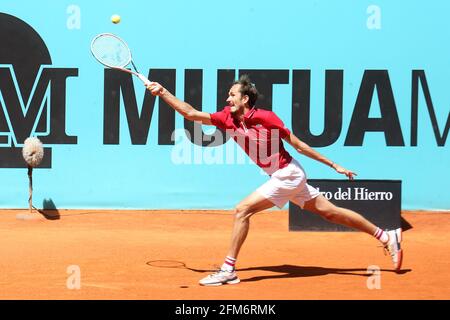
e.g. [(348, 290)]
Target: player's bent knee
[(241, 212)]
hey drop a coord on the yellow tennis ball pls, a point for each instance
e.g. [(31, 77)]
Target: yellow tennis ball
[(115, 18)]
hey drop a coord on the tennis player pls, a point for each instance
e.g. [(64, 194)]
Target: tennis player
[(261, 133)]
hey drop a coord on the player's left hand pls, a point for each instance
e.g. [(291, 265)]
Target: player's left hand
[(342, 170)]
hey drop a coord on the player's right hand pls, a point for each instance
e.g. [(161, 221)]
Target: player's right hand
[(155, 88)]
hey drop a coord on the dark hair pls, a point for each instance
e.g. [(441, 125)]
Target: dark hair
[(247, 89)]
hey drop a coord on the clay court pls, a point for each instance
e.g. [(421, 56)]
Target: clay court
[(161, 255)]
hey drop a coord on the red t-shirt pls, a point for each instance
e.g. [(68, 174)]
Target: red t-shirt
[(259, 134)]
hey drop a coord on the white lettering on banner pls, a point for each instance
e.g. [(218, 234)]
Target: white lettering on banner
[(343, 195), (365, 194), (359, 194), (327, 194)]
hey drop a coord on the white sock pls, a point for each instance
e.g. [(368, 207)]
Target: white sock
[(229, 264), (381, 235)]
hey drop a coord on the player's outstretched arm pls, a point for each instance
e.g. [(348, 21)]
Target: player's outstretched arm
[(185, 109), (305, 149)]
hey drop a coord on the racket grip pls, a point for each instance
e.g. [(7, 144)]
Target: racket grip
[(144, 79)]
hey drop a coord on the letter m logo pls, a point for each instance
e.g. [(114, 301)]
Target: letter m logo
[(41, 112)]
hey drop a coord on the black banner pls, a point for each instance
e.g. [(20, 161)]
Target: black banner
[(379, 201)]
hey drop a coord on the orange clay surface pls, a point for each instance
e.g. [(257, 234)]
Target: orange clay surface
[(135, 254)]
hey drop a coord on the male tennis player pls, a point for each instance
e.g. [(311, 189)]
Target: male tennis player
[(250, 126)]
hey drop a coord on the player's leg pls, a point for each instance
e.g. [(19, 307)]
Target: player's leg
[(252, 204), (332, 213)]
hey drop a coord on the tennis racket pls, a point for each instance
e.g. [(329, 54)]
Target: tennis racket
[(114, 53)]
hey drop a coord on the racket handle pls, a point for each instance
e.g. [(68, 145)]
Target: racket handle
[(143, 79)]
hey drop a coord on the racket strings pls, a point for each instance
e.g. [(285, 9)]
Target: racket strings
[(111, 51)]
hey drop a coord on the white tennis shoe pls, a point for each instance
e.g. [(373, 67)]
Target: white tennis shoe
[(393, 247), (220, 277)]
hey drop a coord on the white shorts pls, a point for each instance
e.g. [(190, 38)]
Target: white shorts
[(288, 184)]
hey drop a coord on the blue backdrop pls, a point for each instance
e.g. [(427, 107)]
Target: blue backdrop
[(405, 39)]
